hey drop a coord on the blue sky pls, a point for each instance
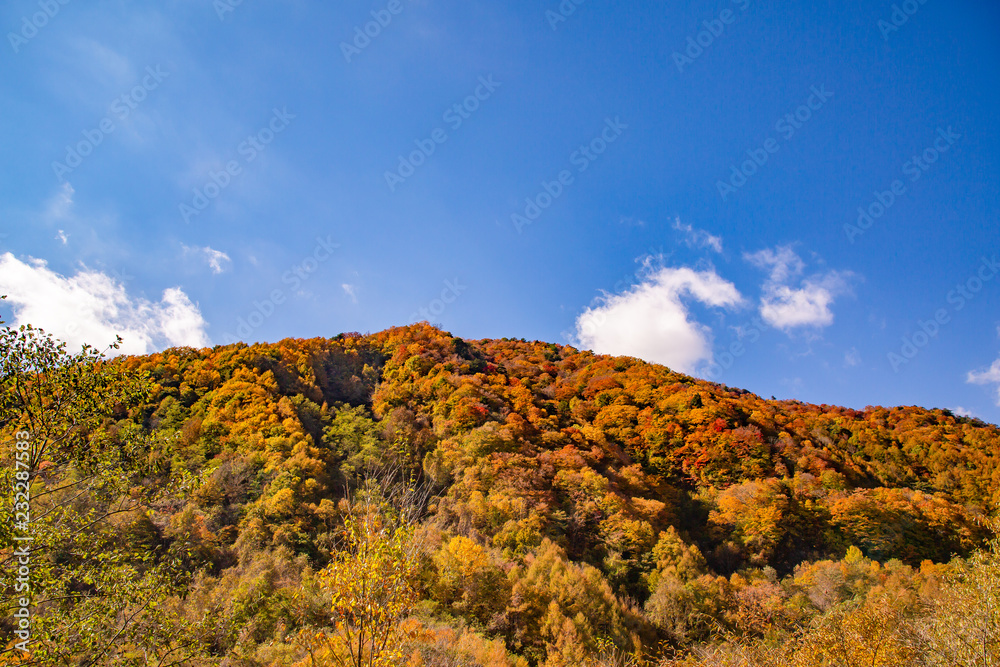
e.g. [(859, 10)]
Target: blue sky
[(678, 183)]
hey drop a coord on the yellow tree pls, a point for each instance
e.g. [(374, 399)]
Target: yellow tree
[(877, 632), (963, 627), (755, 511), (370, 581)]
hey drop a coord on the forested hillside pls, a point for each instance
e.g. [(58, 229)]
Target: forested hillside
[(411, 498)]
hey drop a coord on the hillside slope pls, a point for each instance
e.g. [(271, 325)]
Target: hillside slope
[(573, 501), (531, 440)]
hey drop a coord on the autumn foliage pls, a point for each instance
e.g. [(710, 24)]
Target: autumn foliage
[(563, 508)]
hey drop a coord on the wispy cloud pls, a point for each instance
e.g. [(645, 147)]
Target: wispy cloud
[(790, 301), (60, 206), (92, 307), (631, 222), (652, 322), (697, 238), (350, 291), (217, 260), (102, 63)]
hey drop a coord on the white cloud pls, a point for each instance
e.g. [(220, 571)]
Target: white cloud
[(216, 259), (62, 236), (807, 306), (349, 290), (962, 412), (787, 301), (852, 357), (698, 238), (782, 262), (92, 307), (651, 322), (990, 376)]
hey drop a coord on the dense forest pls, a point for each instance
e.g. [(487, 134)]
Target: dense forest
[(410, 498)]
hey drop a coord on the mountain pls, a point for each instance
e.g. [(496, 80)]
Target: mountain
[(562, 505)]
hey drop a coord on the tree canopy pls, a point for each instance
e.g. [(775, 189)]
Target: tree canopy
[(218, 506)]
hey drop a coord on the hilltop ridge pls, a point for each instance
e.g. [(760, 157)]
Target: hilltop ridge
[(544, 409)]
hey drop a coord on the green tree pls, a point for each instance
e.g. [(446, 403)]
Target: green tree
[(91, 576)]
